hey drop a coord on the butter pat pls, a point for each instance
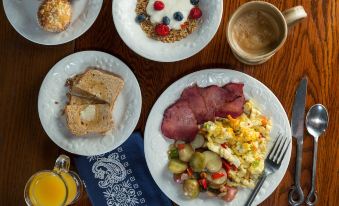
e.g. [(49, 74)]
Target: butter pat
[(88, 114)]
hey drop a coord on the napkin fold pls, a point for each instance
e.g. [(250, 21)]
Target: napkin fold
[(120, 177)]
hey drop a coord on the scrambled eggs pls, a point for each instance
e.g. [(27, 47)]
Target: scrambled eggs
[(242, 142)]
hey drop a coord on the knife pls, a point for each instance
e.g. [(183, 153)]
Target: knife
[(296, 195)]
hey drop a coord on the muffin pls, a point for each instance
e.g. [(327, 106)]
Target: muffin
[(55, 15)]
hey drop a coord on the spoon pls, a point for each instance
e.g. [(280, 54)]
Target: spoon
[(316, 124)]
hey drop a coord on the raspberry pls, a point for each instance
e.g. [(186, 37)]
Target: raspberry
[(195, 13), (158, 5), (162, 29)]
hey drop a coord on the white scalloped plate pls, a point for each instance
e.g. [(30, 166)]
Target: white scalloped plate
[(22, 14), (52, 100), (156, 145), (136, 39)]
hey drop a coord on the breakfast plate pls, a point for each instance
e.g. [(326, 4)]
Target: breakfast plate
[(124, 16), (23, 17), (52, 101), (156, 143)]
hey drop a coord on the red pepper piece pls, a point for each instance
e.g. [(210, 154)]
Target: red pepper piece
[(233, 167), (217, 175), (203, 183), (226, 165), (189, 171), (224, 145), (181, 146)]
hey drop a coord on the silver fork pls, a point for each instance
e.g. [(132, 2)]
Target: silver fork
[(272, 164)]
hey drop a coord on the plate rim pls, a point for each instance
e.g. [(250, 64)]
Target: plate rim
[(66, 58), (217, 69), (86, 28), (165, 60)]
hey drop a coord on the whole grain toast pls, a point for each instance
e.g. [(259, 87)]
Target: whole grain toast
[(81, 100), (99, 84), (88, 118)]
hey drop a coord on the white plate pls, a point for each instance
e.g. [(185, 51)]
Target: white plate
[(22, 14), (52, 99), (136, 39), (156, 145)]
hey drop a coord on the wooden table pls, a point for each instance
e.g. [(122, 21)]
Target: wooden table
[(311, 49)]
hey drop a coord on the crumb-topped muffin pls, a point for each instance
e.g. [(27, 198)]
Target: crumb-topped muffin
[(55, 15)]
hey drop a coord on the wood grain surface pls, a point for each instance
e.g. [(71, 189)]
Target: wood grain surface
[(311, 49)]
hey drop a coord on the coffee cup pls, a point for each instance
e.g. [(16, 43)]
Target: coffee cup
[(257, 30)]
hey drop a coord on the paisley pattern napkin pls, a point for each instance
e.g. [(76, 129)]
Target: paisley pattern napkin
[(120, 177)]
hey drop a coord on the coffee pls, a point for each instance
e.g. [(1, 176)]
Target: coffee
[(256, 32)]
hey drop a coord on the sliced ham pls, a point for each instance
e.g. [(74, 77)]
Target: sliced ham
[(196, 103), (179, 122), (233, 108), (235, 88), (215, 97)]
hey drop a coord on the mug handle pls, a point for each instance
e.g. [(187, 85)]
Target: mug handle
[(62, 164), (294, 15)]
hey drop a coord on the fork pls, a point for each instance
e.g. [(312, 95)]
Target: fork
[(272, 164)]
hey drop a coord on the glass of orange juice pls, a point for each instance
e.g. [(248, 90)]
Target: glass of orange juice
[(57, 187)]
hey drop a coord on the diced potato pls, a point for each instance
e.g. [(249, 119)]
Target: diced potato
[(198, 162), (217, 182), (177, 166), (191, 188), (186, 153), (213, 161), (198, 141)]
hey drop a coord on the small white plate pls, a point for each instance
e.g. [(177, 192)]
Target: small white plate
[(52, 100), (22, 14), (156, 145), (137, 40)]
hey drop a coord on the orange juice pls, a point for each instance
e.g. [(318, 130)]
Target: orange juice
[(57, 187), (47, 189), (71, 185)]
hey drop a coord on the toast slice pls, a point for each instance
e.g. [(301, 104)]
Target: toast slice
[(80, 100), (96, 83), (89, 118)]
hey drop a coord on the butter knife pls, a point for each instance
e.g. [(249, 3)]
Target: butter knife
[(296, 195)]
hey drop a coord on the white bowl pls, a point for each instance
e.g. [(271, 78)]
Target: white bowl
[(22, 14), (136, 39)]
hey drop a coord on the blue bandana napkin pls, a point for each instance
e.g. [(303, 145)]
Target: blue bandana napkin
[(120, 177)]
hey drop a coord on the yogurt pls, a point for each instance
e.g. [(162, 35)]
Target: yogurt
[(171, 6)]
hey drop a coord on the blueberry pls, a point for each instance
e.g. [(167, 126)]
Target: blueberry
[(140, 18), (194, 2), (166, 20), (178, 16)]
